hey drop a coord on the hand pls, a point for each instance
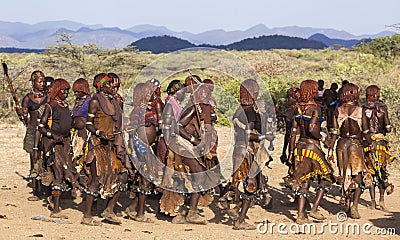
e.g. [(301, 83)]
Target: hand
[(283, 158), (57, 138), (128, 166), (290, 159), (20, 114), (200, 148), (270, 137), (105, 136)]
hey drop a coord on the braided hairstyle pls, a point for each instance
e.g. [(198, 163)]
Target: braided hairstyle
[(248, 91), (308, 90), (58, 85), (81, 85)]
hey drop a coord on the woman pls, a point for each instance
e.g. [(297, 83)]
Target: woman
[(347, 124), (307, 154), (30, 112), (55, 125), (143, 134)]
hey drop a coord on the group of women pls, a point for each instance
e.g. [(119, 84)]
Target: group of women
[(170, 147)]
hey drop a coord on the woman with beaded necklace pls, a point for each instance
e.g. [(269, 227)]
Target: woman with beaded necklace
[(30, 112), (55, 125), (306, 154)]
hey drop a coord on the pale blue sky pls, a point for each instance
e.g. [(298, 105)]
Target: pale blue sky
[(354, 16)]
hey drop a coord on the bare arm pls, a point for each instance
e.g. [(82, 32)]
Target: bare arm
[(314, 127), (386, 121), (334, 131), (92, 110), (185, 119), (44, 128), (159, 111), (292, 141), (168, 118), (365, 127), (24, 109)]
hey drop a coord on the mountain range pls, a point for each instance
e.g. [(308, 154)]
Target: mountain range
[(44, 34)]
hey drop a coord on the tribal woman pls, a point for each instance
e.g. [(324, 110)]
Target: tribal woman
[(55, 125), (349, 149), (30, 112), (292, 100), (172, 198), (142, 135), (247, 166), (376, 125), (107, 152), (79, 115), (310, 162)]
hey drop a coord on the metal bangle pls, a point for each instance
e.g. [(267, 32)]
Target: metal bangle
[(48, 134)]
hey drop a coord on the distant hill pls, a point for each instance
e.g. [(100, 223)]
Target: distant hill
[(20, 50), (164, 44), (333, 41), (275, 42), (161, 44)]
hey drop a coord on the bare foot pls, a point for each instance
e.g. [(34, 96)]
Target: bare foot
[(317, 215), (58, 215), (373, 205), (33, 198), (90, 222), (382, 206), (243, 226)]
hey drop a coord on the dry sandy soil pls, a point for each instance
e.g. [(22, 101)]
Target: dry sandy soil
[(16, 211)]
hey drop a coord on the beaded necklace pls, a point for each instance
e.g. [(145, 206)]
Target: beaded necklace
[(37, 94)]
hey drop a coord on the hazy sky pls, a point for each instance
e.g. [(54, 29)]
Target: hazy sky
[(354, 16)]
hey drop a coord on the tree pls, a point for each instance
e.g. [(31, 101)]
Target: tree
[(384, 47), (86, 60)]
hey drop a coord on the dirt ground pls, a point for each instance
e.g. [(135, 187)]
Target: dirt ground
[(16, 212)]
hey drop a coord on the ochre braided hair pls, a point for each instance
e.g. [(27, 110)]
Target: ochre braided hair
[(248, 90), (58, 85), (81, 85), (308, 90)]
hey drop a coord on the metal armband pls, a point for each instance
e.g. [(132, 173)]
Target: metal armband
[(335, 131)]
